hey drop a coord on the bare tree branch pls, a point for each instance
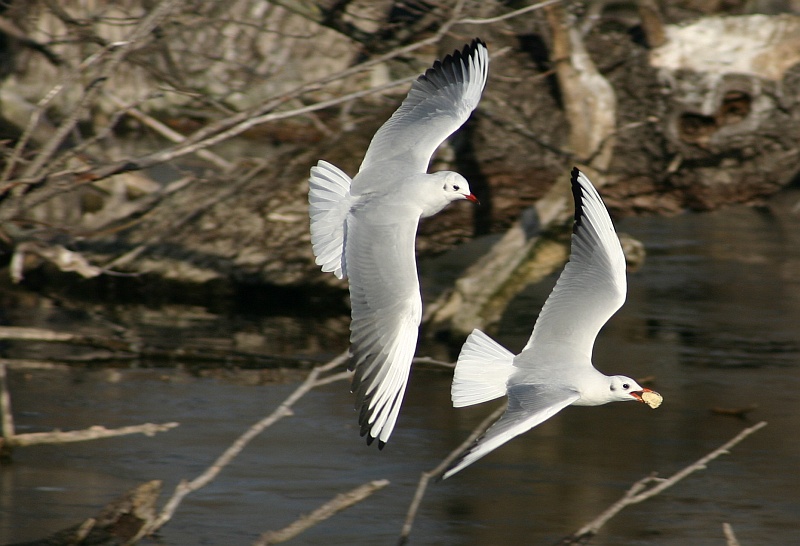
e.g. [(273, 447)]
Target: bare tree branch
[(639, 491), (283, 410), (330, 508), (331, 17), (128, 347), (6, 417), (63, 258), (167, 132), (9, 439), (509, 15), (212, 133), (91, 433), (729, 536), (31, 364), (425, 477), (10, 29), (117, 54), (180, 221), (113, 54)]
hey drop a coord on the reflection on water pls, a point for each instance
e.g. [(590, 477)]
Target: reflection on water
[(712, 316)]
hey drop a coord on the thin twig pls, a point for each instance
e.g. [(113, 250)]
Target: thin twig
[(22, 142), (251, 122), (118, 52), (425, 477), (433, 362), (264, 113), (166, 131), (232, 125), (283, 410), (31, 364), (196, 210), (509, 15), (71, 78), (333, 378), (729, 536), (639, 491), (6, 417), (337, 504), (77, 150)]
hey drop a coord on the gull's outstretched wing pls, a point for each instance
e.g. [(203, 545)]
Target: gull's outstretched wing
[(528, 406), (439, 102), (591, 288), (386, 312)]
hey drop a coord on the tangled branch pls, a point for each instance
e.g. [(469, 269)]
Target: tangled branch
[(652, 485)]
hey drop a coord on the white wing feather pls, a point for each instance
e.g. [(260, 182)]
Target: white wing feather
[(589, 291), (528, 406), (387, 309), (439, 102)]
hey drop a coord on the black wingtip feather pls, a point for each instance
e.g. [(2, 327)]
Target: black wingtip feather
[(459, 54), (470, 48), (371, 439), (577, 194), (363, 420)]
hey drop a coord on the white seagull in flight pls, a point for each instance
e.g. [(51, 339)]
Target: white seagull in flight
[(365, 228), (555, 369)]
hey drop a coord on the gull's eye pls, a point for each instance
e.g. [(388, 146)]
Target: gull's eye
[(455, 188), (626, 386)]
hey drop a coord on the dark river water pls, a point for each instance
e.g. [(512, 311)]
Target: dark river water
[(712, 317)]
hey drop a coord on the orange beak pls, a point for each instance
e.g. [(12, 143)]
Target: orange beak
[(472, 198)]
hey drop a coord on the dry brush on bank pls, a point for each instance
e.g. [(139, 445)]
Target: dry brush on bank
[(176, 141)]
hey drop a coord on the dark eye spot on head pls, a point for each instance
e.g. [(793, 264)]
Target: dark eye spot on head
[(626, 386), (612, 388), (455, 187)]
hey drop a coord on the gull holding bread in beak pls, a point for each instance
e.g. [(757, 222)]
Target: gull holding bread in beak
[(555, 369)]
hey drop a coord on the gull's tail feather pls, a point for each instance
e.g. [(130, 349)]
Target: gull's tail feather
[(329, 201), (482, 370)]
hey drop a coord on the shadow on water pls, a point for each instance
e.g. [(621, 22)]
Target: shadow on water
[(711, 317)]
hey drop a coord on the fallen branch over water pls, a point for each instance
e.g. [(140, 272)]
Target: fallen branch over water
[(115, 349), (730, 538), (100, 528), (92, 433), (337, 504), (638, 492), (651, 486), (437, 471), (9, 439), (283, 410)]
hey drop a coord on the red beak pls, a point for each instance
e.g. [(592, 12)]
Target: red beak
[(472, 198)]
